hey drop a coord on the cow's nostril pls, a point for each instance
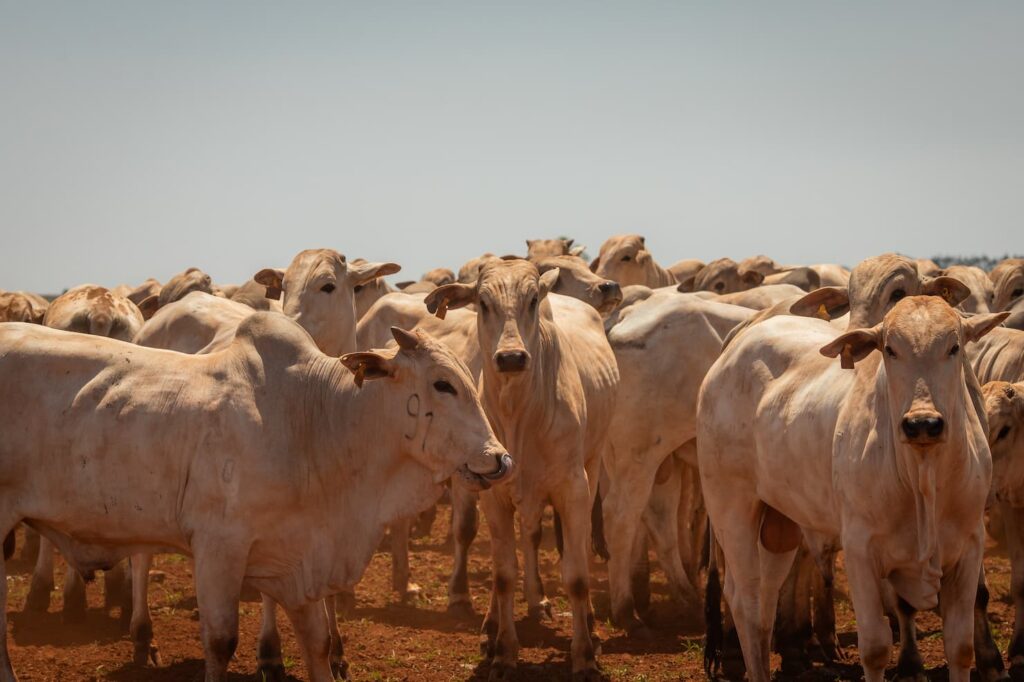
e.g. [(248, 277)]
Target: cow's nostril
[(511, 360), (910, 428), (933, 426), (923, 428)]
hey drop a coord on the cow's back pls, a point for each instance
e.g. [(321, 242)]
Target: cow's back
[(193, 323)]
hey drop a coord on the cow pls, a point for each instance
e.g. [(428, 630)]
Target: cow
[(829, 274), (151, 287), (254, 295), (151, 451), (982, 294), (537, 249), (548, 383), (684, 271), (625, 259), (758, 298), (21, 306), (1008, 283), (903, 424), (470, 270), (179, 286), (576, 280)]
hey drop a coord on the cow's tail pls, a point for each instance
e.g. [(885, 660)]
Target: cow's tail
[(597, 528), (559, 539), (712, 612), (9, 545)]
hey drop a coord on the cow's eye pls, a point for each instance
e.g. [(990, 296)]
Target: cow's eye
[(357, 288), (719, 286), (626, 258), (483, 306), (327, 288), (954, 350), (898, 295), (442, 386), (1016, 293), (889, 351), (533, 303), (1003, 433)]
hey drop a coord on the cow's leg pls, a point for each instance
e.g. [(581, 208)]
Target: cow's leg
[(661, 518), (74, 596), (573, 504), (141, 628), (874, 636), (956, 604), (692, 518), (6, 671), (400, 560), (114, 582), (424, 523), (465, 523), (313, 634), (270, 664), (823, 590), (629, 489), (793, 624), (501, 643), (345, 603), (42, 578), (988, 660), (537, 605), (219, 570), (338, 664), (1014, 525), (30, 550), (909, 664)]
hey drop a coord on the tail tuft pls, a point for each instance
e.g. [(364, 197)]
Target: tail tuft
[(712, 617)]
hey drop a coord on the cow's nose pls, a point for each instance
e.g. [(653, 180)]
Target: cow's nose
[(610, 289), (923, 429), (511, 360)]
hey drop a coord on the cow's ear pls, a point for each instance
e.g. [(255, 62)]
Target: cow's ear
[(547, 281), (977, 326), (642, 256), (529, 243), (952, 290), (273, 280), (854, 346), (455, 295), (826, 303), (406, 340), (148, 306), (361, 273), (577, 250), (595, 264), (367, 365), (686, 285), (752, 278)]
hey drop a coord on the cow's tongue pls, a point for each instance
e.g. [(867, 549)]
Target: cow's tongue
[(490, 467)]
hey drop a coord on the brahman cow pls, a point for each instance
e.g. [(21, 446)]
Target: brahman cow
[(548, 385), (537, 249), (982, 294), (625, 259), (21, 306), (903, 425), (154, 451), (1008, 282)]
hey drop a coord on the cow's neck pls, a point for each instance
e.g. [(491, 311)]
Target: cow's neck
[(658, 276)]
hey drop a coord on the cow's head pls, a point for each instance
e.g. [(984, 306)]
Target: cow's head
[(1004, 407), (981, 292), (431, 401), (183, 284), (547, 248), (879, 283), (510, 299), (470, 270), (1008, 282), (724, 276), (625, 259), (439, 277), (763, 264), (575, 279), (17, 306), (319, 289)]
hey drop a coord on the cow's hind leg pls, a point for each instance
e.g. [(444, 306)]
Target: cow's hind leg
[(74, 596), (465, 523), (38, 599), (141, 626), (573, 504), (400, 560), (793, 624), (313, 634), (988, 660), (6, 671), (115, 585), (1014, 523), (270, 664), (662, 521)]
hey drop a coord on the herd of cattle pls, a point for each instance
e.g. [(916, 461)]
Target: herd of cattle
[(275, 430)]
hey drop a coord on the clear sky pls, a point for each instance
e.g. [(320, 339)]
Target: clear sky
[(140, 138)]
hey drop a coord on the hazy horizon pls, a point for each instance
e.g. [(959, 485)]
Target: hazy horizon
[(138, 139)]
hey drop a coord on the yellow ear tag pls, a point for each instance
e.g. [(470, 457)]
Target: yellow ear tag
[(823, 312), (846, 357)]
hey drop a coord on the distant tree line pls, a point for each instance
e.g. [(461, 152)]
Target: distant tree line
[(984, 262)]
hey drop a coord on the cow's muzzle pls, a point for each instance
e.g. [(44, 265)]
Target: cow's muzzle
[(511, 360), (482, 481), (611, 296), (923, 429)]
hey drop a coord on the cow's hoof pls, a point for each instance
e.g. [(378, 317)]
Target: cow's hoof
[(541, 612), (146, 654), (589, 675), (271, 672), (346, 605), (38, 600), (339, 669), (462, 610), (411, 592), (487, 648), (500, 672)]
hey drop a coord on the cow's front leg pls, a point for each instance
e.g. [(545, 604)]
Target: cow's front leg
[(42, 578), (400, 560), (574, 506), (501, 643), (538, 606), (874, 636), (141, 626), (956, 604), (313, 634), (465, 523), (987, 658), (115, 587), (6, 671), (1014, 524), (219, 571), (270, 664), (338, 664)]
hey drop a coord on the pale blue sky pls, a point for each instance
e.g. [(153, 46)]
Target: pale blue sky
[(139, 138)]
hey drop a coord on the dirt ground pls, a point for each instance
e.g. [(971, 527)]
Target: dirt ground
[(388, 640)]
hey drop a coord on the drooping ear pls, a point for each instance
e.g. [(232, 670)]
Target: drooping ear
[(361, 273), (367, 365), (642, 256), (826, 303), (952, 290), (595, 264), (547, 281), (752, 278), (854, 346), (686, 285), (273, 280), (977, 326), (148, 306), (406, 340), (450, 296), (577, 251)]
